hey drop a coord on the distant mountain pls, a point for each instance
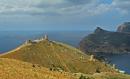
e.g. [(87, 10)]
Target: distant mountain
[(106, 42), (55, 55), (125, 27)]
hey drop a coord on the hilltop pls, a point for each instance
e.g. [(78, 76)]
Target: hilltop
[(125, 27), (45, 59), (57, 56), (106, 42)]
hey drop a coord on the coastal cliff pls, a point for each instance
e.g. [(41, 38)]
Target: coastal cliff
[(106, 42), (125, 27)]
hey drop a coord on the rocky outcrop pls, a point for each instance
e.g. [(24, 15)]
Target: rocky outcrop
[(99, 30), (125, 27), (106, 42)]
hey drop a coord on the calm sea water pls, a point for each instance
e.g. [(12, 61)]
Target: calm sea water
[(11, 39)]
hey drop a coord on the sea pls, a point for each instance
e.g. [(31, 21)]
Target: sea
[(9, 40)]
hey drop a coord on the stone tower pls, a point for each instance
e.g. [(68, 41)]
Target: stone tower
[(46, 37), (92, 58), (28, 42), (114, 66)]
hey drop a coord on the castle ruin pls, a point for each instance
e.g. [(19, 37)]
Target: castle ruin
[(35, 41), (46, 37), (28, 42)]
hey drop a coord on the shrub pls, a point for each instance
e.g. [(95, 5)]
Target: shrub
[(82, 77)]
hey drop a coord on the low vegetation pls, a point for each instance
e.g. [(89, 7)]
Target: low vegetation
[(53, 60), (14, 69), (55, 55)]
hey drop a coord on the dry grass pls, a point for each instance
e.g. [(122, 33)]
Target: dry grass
[(104, 75), (14, 69), (48, 54), (52, 54), (111, 76)]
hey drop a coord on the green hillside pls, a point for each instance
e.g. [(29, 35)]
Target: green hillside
[(57, 56)]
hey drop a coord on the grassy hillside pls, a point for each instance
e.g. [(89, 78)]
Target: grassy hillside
[(14, 69), (57, 56), (106, 75)]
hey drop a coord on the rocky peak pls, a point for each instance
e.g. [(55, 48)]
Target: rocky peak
[(125, 27), (99, 30)]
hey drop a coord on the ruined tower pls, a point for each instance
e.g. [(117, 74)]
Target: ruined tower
[(28, 42), (92, 58), (114, 66), (46, 37)]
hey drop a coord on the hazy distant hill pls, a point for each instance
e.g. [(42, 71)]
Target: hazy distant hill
[(56, 55), (106, 42), (125, 27)]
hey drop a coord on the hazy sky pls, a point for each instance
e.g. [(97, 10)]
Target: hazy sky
[(63, 14)]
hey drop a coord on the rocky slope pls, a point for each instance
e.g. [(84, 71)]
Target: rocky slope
[(57, 56), (125, 27), (106, 42)]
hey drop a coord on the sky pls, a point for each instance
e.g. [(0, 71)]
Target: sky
[(63, 14)]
